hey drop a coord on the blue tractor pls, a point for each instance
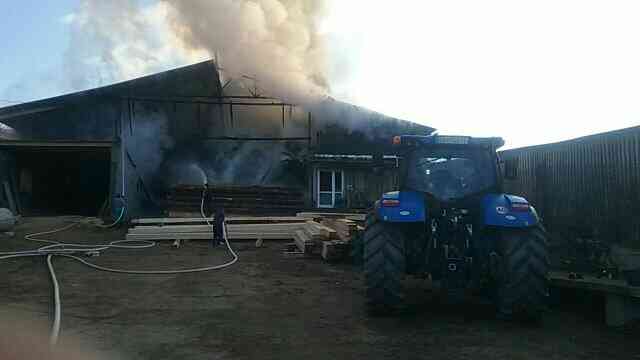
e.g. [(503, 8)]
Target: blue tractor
[(450, 221)]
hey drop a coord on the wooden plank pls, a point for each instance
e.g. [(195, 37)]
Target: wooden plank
[(208, 236), (9, 196), (325, 231), (303, 242), (230, 220), (350, 216), (257, 228), (313, 232)]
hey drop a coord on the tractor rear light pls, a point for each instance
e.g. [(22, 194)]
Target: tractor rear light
[(520, 207), (390, 202)]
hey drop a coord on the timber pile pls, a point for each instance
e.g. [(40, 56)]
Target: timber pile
[(309, 239), (275, 231), (238, 228), (330, 215), (229, 220), (329, 238), (344, 228), (236, 199), (308, 235)]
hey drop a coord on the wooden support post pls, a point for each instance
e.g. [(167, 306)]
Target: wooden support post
[(9, 195), (309, 134)]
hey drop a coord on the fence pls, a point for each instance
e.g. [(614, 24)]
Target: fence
[(587, 187)]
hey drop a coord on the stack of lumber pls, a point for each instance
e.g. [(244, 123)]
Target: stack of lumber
[(310, 237), (338, 250), (346, 228), (238, 228), (331, 215), (236, 199), (316, 238), (229, 220)]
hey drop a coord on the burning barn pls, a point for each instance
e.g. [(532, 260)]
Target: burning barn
[(148, 145)]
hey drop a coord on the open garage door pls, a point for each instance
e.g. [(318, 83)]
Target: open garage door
[(54, 179)]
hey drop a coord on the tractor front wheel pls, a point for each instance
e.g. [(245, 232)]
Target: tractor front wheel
[(384, 265), (522, 282)]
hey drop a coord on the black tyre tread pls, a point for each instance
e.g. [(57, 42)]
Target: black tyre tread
[(523, 290), (384, 265)]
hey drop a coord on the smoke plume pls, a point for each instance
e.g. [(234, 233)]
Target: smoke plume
[(118, 40), (276, 42)]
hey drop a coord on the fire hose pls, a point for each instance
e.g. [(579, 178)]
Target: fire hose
[(69, 250)]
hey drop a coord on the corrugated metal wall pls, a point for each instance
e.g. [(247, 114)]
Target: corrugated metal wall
[(584, 187)]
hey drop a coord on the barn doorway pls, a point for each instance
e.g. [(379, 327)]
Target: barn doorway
[(54, 181)]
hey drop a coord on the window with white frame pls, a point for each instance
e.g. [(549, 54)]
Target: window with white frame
[(330, 188)]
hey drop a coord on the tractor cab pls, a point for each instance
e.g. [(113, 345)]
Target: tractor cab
[(449, 168)]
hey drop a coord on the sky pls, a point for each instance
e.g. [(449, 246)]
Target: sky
[(531, 72), (34, 41)]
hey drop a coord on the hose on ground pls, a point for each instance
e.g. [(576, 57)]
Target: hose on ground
[(55, 328), (69, 250)]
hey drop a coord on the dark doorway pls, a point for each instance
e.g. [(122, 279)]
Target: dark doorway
[(63, 181)]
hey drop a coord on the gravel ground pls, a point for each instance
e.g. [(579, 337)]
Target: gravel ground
[(269, 306)]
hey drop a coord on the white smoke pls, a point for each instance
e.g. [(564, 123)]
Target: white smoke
[(118, 40), (274, 41)]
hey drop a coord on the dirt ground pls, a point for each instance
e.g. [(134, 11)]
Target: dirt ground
[(269, 306)]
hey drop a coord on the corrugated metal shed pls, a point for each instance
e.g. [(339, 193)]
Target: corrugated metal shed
[(588, 186)]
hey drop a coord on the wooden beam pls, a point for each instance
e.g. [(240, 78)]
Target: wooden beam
[(349, 216), (9, 196), (208, 236), (249, 228), (229, 220)]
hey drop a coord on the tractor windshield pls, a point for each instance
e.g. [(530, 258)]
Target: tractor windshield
[(450, 173)]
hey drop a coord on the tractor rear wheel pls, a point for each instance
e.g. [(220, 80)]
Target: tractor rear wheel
[(522, 282), (384, 265)]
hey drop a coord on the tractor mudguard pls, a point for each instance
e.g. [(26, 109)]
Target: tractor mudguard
[(508, 211), (401, 206)]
